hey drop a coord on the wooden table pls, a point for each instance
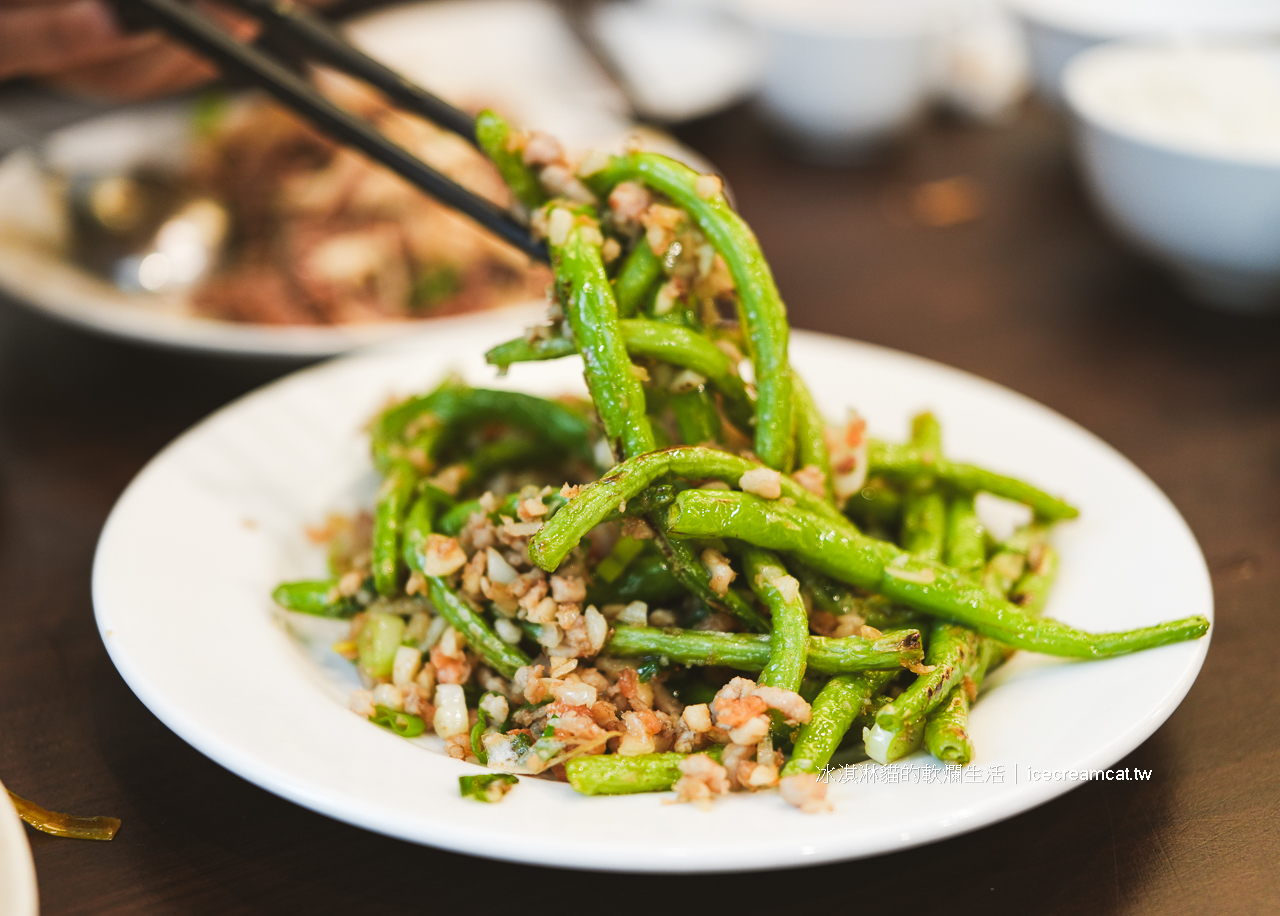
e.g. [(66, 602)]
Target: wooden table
[(1034, 294)]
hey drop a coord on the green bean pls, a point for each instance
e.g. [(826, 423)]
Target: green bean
[(853, 558), (494, 136), (318, 597), (628, 480), (924, 510), (669, 343), (640, 271), (524, 350), (763, 314), (611, 774), (454, 403), (1032, 590), (966, 549), (697, 419), (388, 518), (789, 639), (387, 433), (953, 650), (588, 301), (906, 462), (843, 699), (378, 641), (416, 529), (498, 655), (750, 651), (811, 434), (687, 568), (946, 730)]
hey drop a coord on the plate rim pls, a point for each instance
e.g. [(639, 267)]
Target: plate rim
[(482, 842), (21, 897)]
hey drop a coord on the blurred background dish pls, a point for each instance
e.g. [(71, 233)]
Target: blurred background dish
[(1057, 30), (676, 60), (1180, 145), (841, 78), (226, 224)]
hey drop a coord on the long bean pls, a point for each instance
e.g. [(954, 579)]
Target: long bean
[(610, 774), (392, 504), (966, 550), (789, 639), (688, 570), (924, 510), (643, 337), (905, 461), (760, 306), (843, 699), (844, 554), (952, 653), (500, 656), (495, 137), (750, 651), (587, 297), (628, 480), (946, 730), (811, 435), (456, 404), (640, 271), (318, 597)]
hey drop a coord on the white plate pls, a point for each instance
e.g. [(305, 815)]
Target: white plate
[(17, 871), (192, 550)]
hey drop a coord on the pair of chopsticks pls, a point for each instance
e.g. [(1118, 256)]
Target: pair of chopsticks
[(314, 38)]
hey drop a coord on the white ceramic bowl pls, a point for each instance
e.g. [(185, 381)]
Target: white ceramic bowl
[(1180, 147), (841, 77), (1058, 30)]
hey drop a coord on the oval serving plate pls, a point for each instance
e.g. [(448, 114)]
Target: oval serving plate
[(188, 558)]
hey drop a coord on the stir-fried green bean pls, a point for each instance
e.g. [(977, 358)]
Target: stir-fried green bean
[(842, 699), (908, 462), (946, 731), (638, 276), (789, 637), (658, 340), (811, 435), (626, 481), (610, 774), (851, 557), (495, 137), (750, 652), (587, 297), (763, 314), (688, 570)]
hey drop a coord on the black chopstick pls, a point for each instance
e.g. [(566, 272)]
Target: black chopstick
[(313, 35), (203, 36)]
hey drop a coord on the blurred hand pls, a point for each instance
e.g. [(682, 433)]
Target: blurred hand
[(77, 45)]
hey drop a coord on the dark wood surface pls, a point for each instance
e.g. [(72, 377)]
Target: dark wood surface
[(1034, 294)]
